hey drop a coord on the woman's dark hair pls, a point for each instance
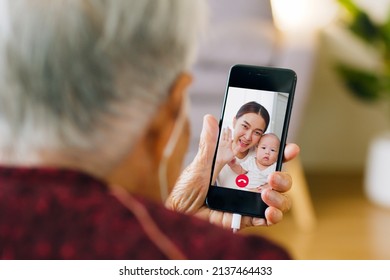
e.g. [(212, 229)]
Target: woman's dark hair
[(254, 107)]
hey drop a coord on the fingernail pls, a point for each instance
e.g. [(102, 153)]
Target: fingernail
[(259, 222)]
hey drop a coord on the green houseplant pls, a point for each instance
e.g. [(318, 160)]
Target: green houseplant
[(374, 84), (371, 85)]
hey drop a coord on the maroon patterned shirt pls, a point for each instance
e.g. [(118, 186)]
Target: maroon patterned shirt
[(48, 213)]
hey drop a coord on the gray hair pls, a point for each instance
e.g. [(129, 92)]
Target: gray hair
[(67, 65)]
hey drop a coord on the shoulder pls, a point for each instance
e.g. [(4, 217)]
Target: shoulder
[(250, 163), (198, 239), (270, 168), (251, 154), (94, 224), (250, 158)]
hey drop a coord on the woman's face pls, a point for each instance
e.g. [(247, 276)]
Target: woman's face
[(248, 130)]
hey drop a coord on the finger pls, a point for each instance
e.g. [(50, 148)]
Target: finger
[(258, 222), (277, 200), (221, 219), (208, 140), (291, 151), (191, 187), (280, 181), (273, 216), (229, 134), (247, 221)]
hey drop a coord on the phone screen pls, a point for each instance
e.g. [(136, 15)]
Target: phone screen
[(253, 131), (255, 119)]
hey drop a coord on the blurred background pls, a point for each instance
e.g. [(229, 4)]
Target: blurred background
[(339, 51)]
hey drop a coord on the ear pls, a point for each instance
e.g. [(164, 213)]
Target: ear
[(163, 122), (234, 122), (138, 171)]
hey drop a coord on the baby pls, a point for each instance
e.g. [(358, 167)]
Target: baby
[(258, 168)]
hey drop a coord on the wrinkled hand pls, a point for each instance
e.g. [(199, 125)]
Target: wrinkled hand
[(189, 193)]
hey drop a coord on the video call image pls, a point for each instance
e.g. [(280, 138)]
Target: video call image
[(249, 142)]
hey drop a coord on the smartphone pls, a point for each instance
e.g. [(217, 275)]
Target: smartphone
[(253, 130)]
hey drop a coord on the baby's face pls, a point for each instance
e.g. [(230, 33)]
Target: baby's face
[(267, 150)]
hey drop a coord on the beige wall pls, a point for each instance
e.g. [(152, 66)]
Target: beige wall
[(337, 127)]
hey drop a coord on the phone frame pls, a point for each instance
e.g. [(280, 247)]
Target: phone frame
[(263, 78)]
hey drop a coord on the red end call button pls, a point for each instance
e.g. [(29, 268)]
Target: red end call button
[(242, 180)]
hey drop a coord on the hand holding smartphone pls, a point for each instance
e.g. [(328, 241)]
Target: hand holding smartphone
[(253, 130)]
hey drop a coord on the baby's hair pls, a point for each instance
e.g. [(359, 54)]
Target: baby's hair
[(269, 134)]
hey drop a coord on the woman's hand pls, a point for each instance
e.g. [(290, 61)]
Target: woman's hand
[(189, 193), (225, 152)]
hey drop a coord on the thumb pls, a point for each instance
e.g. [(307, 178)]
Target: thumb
[(208, 141), (190, 190)]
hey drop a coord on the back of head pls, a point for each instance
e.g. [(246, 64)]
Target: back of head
[(66, 66)]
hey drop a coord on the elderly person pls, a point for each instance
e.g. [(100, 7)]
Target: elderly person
[(92, 98)]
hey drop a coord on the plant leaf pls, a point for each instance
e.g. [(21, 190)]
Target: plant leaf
[(364, 28), (364, 85), (361, 24)]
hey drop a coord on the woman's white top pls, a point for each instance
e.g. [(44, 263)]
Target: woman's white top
[(227, 178)]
